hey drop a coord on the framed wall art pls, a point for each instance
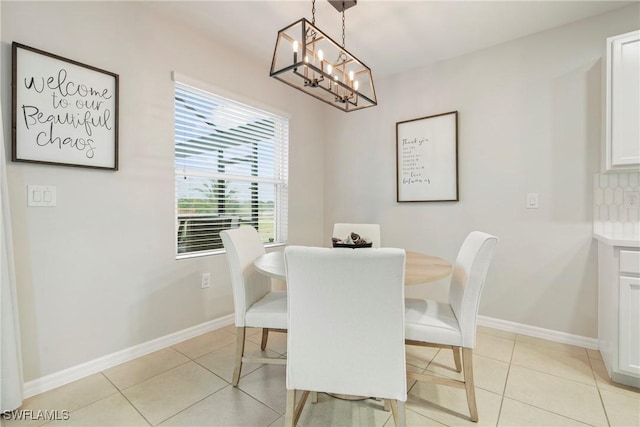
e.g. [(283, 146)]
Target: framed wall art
[(63, 112), (427, 159)]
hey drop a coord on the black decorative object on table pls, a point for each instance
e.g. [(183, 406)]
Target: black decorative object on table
[(353, 241)]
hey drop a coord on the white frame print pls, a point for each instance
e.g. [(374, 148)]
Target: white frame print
[(64, 112), (427, 159)]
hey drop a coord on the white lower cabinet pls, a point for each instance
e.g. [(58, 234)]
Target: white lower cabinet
[(629, 356), (619, 312)]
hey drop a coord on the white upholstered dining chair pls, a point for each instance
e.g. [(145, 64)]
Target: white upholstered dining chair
[(346, 325), (255, 304), (453, 325), (368, 231)]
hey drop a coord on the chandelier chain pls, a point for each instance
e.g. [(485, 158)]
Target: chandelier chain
[(343, 25), (313, 12)]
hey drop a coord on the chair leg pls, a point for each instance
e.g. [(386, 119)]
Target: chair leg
[(240, 334), (456, 358), (290, 410), (265, 336), (314, 397), (399, 413), (387, 404), (467, 360)]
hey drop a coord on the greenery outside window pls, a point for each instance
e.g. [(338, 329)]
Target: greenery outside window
[(231, 164)]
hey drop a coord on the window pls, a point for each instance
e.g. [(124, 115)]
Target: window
[(231, 170)]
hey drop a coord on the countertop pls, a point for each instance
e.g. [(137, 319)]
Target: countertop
[(617, 239)]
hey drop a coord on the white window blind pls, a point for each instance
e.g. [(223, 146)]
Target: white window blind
[(231, 164)]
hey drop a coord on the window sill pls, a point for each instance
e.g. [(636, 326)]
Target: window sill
[(222, 251)]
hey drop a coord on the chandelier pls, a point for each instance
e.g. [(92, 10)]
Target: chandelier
[(309, 60)]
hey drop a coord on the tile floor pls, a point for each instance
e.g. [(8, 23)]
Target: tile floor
[(520, 381)]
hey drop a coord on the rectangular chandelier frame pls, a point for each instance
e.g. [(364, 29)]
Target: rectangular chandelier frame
[(307, 59)]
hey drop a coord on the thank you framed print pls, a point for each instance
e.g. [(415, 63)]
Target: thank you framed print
[(427, 159)]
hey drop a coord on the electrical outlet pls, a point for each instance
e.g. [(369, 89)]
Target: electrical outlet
[(206, 280), (631, 199)]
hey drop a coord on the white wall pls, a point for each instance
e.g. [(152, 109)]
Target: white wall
[(529, 122), (97, 273)]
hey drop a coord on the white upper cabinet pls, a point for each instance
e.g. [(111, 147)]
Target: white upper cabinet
[(622, 139)]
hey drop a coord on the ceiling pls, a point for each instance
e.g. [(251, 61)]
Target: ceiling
[(389, 36)]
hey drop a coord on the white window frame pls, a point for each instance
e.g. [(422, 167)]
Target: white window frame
[(279, 179)]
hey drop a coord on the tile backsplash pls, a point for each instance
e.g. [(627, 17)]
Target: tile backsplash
[(610, 215)]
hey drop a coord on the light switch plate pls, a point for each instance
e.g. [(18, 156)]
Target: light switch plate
[(41, 195), (532, 201)]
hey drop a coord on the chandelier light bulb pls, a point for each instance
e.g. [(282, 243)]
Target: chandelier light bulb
[(295, 51), (355, 85), (351, 75), (329, 69), (320, 55)]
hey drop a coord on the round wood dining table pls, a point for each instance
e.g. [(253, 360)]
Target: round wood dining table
[(419, 267)]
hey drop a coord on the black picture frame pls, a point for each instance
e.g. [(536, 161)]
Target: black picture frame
[(427, 159), (63, 112)]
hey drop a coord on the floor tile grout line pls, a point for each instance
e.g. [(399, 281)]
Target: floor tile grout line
[(212, 372), (453, 376), (239, 387), (595, 384), (556, 376), (432, 359), (547, 410), (227, 384), (121, 391), (191, 405), (568, 354), (529, 339), (424, 416), (136, 408), (258, 400), (604, 407), (127, 399), (182, 353), (148, 378), (506, 381), (116, 392)]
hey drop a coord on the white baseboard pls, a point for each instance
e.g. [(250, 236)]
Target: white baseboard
[(534, 331), (74, 373)]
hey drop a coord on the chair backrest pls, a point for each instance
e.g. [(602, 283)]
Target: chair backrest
[(243, 246), (467, 280), (346, 321), (368, 231)]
